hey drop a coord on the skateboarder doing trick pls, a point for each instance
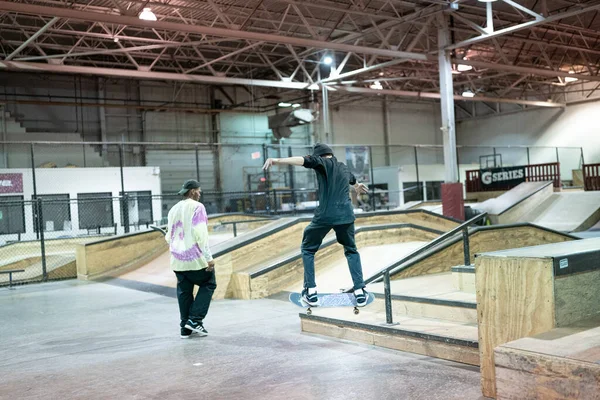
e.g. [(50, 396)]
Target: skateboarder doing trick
[(335, 212)]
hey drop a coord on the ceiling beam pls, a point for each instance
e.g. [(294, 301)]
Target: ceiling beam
[(423, 95), (150, 75), (201, 30), (526, 70), (526, 25), (32, 38)]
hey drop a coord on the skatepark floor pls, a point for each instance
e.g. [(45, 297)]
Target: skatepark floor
[(91, 340)]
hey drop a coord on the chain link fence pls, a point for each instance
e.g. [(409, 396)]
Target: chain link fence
[(55, 195)]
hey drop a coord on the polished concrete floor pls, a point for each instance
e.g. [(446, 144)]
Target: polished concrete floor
[(81, 340)]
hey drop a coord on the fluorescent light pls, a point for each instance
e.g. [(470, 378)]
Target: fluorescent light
[(284, 104), (147, 15), (381, 74), (468, 93), (296, 105), (376, 85), (328, 60), (464, 68), (570, 79)]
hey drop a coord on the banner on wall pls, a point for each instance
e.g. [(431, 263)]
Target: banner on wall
[(11, 183), (502, 177), (357, 160)]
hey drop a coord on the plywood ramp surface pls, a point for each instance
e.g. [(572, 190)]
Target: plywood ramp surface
[(563, 363), (567, 212), (484, 240)]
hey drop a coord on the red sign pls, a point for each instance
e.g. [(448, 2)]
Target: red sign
[(11, 183)]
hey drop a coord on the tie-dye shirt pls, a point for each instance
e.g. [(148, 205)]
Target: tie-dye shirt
[(188, 236)]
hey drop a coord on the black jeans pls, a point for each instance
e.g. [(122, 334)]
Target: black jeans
[(313, 237), (190, 308)]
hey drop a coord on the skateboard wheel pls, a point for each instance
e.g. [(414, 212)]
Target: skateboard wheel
[(356, 310), (309, 311)]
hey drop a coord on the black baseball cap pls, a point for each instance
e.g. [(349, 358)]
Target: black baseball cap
[(188, 185), (321, 149)]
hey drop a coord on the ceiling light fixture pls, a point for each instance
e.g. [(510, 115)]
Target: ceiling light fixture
[(464, 68), (327, 60), (468, 93), (284, 104), (376, 85), (295, 105), (570, 79), (147, 15)]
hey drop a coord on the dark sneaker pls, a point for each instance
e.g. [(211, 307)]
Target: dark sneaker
[(186, 333), (310, 299), (196, 327), (361, 297)]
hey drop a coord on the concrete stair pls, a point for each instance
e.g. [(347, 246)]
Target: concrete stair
[(430, 317), (61, 155)]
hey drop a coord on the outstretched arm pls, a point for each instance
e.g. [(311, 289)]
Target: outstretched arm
[(297, 161)]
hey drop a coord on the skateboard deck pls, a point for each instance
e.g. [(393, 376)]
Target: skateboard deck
[(330, 300)]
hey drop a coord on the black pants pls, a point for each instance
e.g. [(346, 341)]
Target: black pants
[(190, 308), (313, 237)]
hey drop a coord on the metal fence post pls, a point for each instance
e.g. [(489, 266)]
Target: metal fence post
[(292, 180), (40, 214), (388, 298), (124, 202), (266, 175), (419, 188), (372, 178), (466, 246), (34, 197), (528, 158), (197, 165)]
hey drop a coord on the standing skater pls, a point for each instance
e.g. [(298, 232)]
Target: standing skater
[(335, 212), (191, 259)]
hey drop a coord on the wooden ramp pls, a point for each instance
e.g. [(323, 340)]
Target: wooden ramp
[(510, 207)]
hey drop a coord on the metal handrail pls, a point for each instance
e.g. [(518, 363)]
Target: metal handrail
[(385, 273), (378, 275)]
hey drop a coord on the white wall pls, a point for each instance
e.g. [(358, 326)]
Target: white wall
[(575, 126), (73, 181)]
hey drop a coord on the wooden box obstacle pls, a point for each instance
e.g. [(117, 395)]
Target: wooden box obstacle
[(529, 291)]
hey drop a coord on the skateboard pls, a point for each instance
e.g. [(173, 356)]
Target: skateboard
[(330, 300), (156, 228)]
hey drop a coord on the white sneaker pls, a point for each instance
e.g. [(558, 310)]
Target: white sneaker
[(361, 297)]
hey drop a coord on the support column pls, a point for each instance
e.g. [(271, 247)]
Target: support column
[(386, 130), (102, 117), (327, 136), (452, 193)]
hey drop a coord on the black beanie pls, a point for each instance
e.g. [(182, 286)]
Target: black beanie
[(321, 149)]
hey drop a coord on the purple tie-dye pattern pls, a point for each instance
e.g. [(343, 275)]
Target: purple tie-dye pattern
[(174, 228), (199, 216), (189, 255)]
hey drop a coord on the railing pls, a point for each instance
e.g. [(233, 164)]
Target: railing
[(397, 266), (591, 176), (247, 221), (533, 173)]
